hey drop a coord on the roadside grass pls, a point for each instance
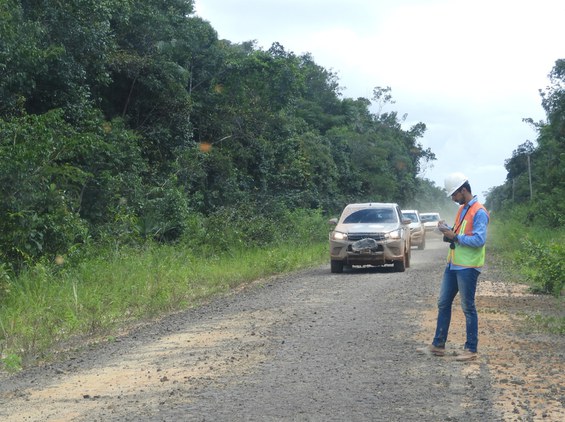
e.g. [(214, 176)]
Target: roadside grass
[(48, 305), (533, 254), (536, 256), (548, 324)]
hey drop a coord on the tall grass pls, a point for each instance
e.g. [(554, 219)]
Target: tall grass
[(50, 304), (532, 252)]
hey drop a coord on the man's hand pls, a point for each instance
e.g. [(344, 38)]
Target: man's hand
[(446, 230), (450, 234)]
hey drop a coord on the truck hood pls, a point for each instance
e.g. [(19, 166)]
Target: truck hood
[(367, 228)]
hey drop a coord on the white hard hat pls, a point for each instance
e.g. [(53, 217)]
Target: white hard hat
[(453, 182)]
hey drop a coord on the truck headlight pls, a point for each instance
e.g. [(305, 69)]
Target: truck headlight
[(396, 234), (338, 236)]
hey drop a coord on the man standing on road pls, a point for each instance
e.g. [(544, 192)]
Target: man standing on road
[(465, 259)]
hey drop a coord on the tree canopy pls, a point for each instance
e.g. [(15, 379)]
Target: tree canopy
[(126, 120)]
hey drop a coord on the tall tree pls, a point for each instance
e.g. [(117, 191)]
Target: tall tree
[(540, 164), (21, 58)]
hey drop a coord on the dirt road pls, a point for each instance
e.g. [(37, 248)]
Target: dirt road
[(311, 346)]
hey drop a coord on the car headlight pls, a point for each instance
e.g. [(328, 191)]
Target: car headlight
[(338, 236), (396, 234)]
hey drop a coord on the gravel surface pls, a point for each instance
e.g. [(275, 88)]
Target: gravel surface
[(312, 346)]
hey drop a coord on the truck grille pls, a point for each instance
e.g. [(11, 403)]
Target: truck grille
[(359, 236)]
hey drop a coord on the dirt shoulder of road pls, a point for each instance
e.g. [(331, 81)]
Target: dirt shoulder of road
[(526, 363)]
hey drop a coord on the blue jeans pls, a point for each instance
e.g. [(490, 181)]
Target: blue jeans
[(465, 282)]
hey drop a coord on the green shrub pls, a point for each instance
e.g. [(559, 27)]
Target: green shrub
[(543, 263), (40, 188), (11, 362), (534, 252), (62, 184), (250, 225)]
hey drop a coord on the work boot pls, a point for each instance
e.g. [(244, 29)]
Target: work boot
[(431, 350), (466, 356)]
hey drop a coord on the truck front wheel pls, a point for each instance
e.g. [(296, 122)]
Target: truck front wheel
[(336, 266)]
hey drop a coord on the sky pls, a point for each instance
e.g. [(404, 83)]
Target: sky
[(470, 70)]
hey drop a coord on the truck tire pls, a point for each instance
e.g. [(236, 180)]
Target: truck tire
[(336, 266), (400, 266)]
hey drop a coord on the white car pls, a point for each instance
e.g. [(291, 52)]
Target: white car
[(370, 234), (417, 229), (430, 220)]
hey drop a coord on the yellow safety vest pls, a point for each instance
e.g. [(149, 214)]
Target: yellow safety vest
[(466, 256)]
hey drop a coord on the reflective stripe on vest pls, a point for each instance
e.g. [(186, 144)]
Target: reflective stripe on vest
[(466, 256)]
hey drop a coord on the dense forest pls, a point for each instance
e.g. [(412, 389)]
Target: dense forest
[(127, 121)]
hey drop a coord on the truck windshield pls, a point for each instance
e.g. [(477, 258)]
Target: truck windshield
[(372, 215)]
